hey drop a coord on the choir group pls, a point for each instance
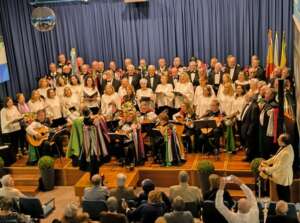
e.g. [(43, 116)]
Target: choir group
[(164, 111)]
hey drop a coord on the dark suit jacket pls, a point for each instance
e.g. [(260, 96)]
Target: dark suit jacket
[(211, 78), (211, 196), (260, 73), (236, 72), (195, 82), (108, 217), (250, 121), (281, 219), (135, 81), (172, 80), (156, 81), (115, 83)]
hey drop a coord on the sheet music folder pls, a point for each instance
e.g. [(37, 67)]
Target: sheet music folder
[(115, 136), (205, 123)]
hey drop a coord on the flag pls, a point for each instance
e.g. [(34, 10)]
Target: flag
[(4, 72), (73, 61), (276, 48), (283, 58), (270, 59)]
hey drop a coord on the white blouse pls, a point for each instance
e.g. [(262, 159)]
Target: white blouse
[(53, 108), (60, 91), (238, 105), (226, 103), (8, 120), (37, 105), (106, 99), (43, 92), (202, 104), (122, 91), (145, 93), (199, 91), (221, 89), (187, 90), (76, 91), (67, 103), (90, 97), (165, 96)]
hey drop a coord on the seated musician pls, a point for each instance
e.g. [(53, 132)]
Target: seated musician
[(39, 130), (169, 149), (185, 116), (133, 150), (210, 138), (147, 114)]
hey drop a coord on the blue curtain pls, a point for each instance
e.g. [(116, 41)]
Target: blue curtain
[(111, 29)]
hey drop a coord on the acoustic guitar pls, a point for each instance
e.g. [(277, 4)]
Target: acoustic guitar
[(44, 132)]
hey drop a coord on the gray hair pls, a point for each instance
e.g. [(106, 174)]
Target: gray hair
[(121, 179), (6, 180), (183, 177), (112, 204), (281, 208), (96, 180), (71, 210), (178, 204), (143, 80)]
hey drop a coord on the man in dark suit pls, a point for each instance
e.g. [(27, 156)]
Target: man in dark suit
[(249, 127), (173, 79), (281, 214), (215, 77), (152, 78), (232, 68), (109, 79), (162, 66), (193, 73), (259, 70), (133, 77)]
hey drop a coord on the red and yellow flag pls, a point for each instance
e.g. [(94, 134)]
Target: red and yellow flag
[(270, 56)]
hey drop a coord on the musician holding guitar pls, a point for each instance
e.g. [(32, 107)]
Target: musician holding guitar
[(279, 168), (38, 135)]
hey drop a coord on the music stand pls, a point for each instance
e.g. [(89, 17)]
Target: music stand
[(119, 137), (112, 125), (205, 124), (147, 127)]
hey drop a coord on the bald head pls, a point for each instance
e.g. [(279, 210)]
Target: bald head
[(244, 206)]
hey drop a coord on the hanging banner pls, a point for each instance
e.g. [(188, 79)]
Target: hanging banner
[(4, 74)]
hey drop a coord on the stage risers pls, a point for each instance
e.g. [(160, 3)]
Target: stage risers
[(167, 176)]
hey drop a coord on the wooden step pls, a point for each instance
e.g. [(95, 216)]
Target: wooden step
[(237, 194), (26, 180), (249, 181), (24, 171), (28, 190)]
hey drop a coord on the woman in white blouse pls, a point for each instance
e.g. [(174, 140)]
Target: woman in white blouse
[(203, 84), (145, 92), (242, 81), (61, 83), (10, 126), (53, 108), (70, 105), (90, 96), (43, 87), (239, 101), (226, 99), (225, 79), (36, 102), (164, 94), (75, 87), (184, 90), (123, 88), (109, 96), (202, 102)]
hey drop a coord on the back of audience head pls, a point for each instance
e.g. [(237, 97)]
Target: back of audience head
[(183, 177), (154, 197), (281, 208), (7, 181), (147, 185), (244, 206), (178, 204), (112, 204), (96, 180), (214, 181), (121, 180)]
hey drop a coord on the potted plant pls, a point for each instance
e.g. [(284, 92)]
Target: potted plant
[(205, 168), (254, 165), (46, 166)]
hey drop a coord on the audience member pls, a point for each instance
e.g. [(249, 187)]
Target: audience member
[(8, 190), (112, 215), (73, 215), (247, 207), (96, 191), (178, 215), (8, 215), (184, 190), (281, 214)]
